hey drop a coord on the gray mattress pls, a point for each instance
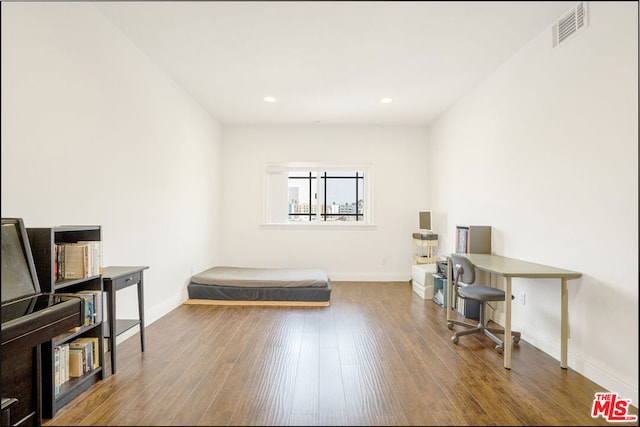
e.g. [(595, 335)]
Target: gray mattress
[(260, 284)]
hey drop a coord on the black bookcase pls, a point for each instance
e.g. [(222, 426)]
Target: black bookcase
[(43, 246)]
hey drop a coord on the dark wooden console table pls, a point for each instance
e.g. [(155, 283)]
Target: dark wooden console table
[(114, 279)]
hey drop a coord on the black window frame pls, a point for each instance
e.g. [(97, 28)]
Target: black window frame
[(321, 210)]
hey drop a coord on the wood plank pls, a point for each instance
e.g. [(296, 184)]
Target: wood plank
[(259, 303)]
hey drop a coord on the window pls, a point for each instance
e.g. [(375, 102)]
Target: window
[(316, 194), (326, 195)]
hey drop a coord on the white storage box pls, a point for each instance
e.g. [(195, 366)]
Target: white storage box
[(422, 279)]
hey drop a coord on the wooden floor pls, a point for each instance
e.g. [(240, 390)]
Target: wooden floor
[(378, 355)]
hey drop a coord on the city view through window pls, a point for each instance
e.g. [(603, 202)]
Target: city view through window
[(326, 196)]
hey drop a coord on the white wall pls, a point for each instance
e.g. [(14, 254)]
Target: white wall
[(94, 133), (547, 154), (397, 155)]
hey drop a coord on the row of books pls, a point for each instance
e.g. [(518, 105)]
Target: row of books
[(93, 306), (462, 240), (77, 260), (440, 289), (74, 359), (469, 309)]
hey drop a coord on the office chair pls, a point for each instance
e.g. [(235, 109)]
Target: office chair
[(464, 271)]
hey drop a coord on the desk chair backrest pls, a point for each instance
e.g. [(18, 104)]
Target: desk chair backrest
[(463, 269)]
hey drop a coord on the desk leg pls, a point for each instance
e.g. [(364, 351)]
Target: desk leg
[(141, 310), (507, 327), (111, 295), (564, 324), (449, 291)]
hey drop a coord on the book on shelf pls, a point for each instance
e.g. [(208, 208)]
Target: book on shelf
[(56, 273), (58, 261), (64, 363), (87, 353), (462, 244), (88, 307), (93, 257), (61, 366), (76, 362), (438, 297), (95, 349), (459, 306), (77, 260), (96, 304), (73, 261), (56, 370)]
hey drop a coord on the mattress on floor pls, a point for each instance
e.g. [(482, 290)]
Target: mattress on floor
[(260, 284)]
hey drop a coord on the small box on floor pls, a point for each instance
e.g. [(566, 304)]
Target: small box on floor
[(422, 279)]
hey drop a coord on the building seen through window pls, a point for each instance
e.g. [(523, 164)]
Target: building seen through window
[(326, 196)]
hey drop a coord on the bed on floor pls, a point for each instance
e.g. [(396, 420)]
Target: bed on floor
[(222, 285)]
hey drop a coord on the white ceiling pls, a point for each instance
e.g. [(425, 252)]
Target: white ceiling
[(330, 62)]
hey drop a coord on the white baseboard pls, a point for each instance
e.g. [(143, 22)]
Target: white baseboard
[(371, 277), (582, 365)]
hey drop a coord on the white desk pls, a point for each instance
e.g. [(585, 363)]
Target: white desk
[(509, 268)]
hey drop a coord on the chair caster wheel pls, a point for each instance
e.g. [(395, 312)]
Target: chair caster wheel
[(499, 349), (449, 325), (454, 339), (516, 340)]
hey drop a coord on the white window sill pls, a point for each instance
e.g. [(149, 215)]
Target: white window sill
[(318, 226)]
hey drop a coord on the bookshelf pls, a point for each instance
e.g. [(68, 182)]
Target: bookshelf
[(82, 277)]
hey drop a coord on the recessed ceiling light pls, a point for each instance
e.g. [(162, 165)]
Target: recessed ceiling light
[(386, 100), (269, 99)]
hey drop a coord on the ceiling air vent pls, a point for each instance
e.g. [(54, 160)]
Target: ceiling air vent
[(570, 23)]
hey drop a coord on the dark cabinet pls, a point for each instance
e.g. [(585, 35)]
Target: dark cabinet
[(58, 387)]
